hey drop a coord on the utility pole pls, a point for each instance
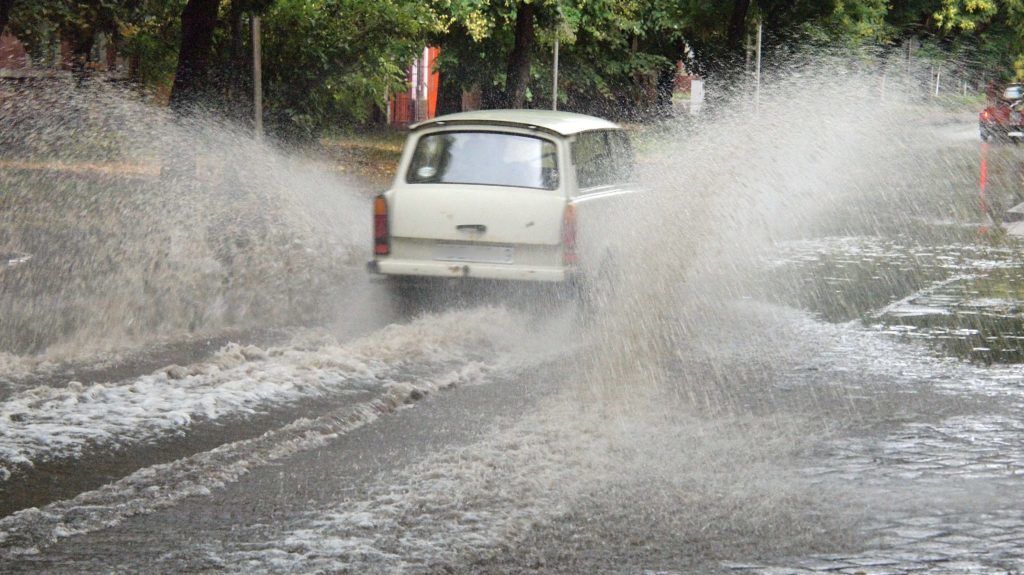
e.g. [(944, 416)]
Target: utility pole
[(423, 90), (757, 71), (748, 49), (257, 78), (554, 68), (910, 67), (554, 79)]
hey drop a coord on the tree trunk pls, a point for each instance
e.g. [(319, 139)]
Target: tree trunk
[(666, 87), (517, 76), (5, 14), (449, 101), (737, 26), (191, 81), (492, 97), (81, 39)]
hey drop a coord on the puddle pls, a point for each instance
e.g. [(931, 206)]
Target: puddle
[(967, 300)]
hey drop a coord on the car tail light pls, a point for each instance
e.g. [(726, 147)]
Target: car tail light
[(569, 256), (381, 234), (984, 115)]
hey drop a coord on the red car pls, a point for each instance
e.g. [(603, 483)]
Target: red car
[(1003, 118)]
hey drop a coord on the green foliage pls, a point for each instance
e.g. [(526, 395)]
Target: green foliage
[(989, 33), (619, 55), (334, 61), (612, 49), (40, 22), (151, 37), (330, 63), (144, 29), (863, 20), (964, 15)]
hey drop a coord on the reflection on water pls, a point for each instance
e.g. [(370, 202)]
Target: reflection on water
[(939, 269), (967, 299)]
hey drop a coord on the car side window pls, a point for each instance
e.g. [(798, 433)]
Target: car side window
[(602, 158)]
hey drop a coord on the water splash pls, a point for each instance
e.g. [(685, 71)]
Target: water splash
[(128, 224), (823, 154)]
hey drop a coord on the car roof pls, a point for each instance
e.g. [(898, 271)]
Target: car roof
[(563, 123)]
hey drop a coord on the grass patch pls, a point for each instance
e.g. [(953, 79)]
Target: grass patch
[(371, 156)]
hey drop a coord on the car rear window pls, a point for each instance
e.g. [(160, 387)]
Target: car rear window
[(485, 158)]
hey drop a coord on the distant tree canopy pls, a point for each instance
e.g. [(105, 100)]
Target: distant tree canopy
[(333, 62)]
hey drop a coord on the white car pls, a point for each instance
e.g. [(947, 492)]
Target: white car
[(519, 195)]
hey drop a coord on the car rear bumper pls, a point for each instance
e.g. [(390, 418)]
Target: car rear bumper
[(424, 268)]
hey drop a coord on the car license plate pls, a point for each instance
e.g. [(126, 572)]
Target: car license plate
[(474, 253)]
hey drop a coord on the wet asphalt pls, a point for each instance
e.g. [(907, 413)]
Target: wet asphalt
[(264, 505)]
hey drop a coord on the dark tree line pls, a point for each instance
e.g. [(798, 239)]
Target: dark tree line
[(333, 62)]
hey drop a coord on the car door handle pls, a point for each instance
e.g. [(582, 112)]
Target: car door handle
[(471, 228)]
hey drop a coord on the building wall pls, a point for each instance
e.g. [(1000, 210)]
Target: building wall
[(419, 102), (105, 59)]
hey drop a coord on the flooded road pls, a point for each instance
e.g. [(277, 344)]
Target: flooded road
[(849, 402)]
